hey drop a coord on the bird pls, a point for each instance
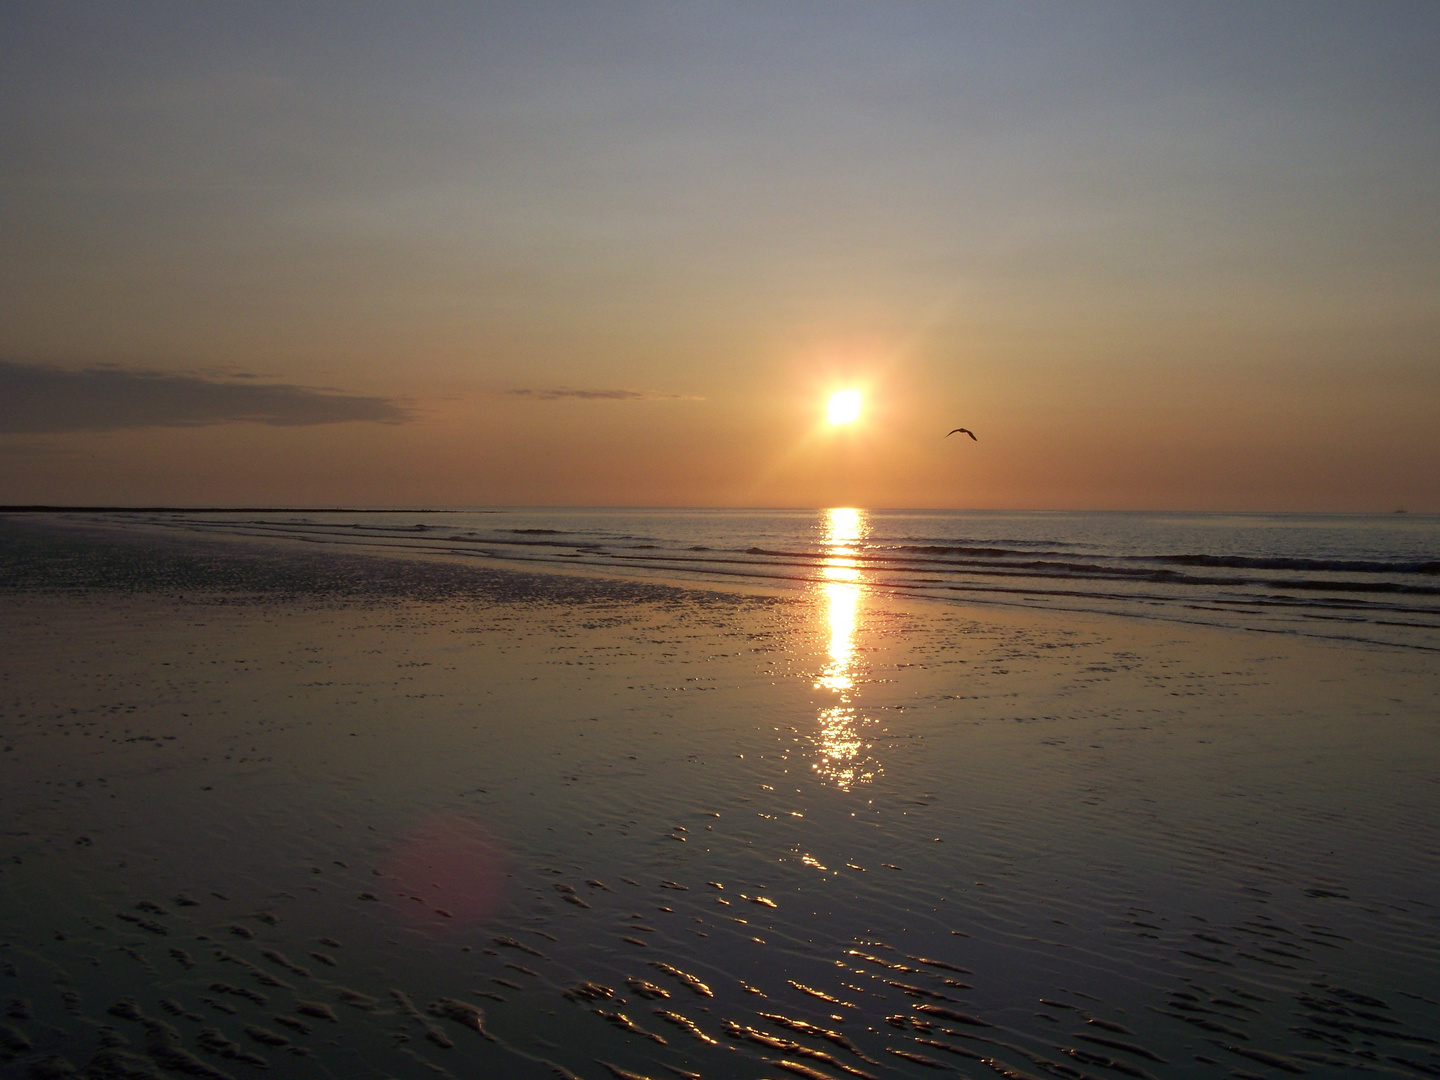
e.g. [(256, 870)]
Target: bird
[(966, 430)]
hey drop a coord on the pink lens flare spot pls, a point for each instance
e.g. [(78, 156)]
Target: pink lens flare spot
[(449, 870)]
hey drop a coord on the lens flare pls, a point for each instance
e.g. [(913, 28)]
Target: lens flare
[(451, 870)]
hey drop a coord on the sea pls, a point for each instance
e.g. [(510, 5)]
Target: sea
[(1363, 577)]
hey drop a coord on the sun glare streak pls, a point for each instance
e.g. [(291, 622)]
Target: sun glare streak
[(844, 526), (842, 600), (842, 748), (842, 593), (844, 407)]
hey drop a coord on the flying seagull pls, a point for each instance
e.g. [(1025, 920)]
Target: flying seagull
[(966, 430)]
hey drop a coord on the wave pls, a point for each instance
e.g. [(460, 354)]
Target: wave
[(1272, 562), (1126, 571), (1229, 562), (1047, 571), (971, 559), (986, 552)]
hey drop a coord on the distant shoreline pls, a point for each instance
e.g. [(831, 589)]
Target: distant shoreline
[(46, 509)]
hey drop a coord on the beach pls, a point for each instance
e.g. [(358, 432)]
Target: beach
[(275, 808)]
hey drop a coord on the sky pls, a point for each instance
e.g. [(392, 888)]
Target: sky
[(1156, 256)]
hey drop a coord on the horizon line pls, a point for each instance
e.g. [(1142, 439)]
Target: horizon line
[(51, 508)]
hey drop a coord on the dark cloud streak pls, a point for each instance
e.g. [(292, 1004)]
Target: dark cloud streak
[(562, 393), (37, 399)]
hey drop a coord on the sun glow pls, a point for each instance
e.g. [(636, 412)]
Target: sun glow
[(844, 407)]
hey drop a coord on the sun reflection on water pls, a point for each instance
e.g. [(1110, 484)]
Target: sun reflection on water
[(844, 758)]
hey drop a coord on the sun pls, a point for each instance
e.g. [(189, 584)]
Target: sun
[(844, 407)]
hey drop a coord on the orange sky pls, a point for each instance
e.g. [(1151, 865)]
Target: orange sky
[(1155, 259)]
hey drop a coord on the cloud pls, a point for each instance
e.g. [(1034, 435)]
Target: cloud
[(562, 392), (38, 399)]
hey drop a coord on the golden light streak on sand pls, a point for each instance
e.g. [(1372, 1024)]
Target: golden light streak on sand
[(843, 760)]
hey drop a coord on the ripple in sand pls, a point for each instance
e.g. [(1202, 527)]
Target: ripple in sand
[(624, 1023), (789, 1046), (463, 1013), (686, 979), (646, 989), (804, 1027), (685, 1023)]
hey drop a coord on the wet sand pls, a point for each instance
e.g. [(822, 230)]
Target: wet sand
[(273, 811)]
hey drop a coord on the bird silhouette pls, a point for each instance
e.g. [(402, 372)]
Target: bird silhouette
[(966, 430)]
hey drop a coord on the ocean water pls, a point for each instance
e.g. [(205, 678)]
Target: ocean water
[(1370, 577)]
